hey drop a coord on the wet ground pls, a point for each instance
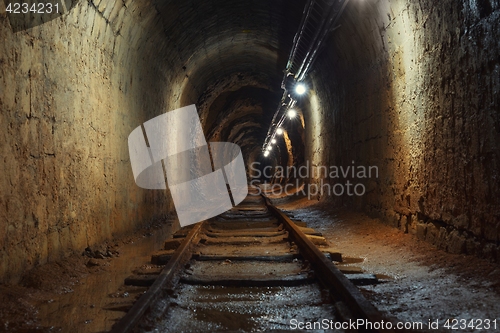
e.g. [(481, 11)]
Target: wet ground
[(245, 276), (419, 283), (237, 309), (78, 294)]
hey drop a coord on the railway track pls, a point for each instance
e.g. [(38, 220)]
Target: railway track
[(250, 269)]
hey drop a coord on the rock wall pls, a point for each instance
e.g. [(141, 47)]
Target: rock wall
[(412, 87), (71, 91), (73, 88)]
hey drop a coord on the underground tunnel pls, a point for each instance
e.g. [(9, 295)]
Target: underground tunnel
[(362, 185)]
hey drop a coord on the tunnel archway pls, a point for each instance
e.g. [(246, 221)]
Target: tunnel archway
[(412, 89), (402, 100)]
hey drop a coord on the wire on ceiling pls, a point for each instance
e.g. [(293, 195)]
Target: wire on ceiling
[(319, 18)]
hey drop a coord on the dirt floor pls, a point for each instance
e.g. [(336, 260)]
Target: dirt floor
[(83, 292), (418, 282)]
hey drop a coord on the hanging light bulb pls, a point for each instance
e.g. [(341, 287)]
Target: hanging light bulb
[(279, 131), (266, 153), (269, 147), (273, 141), (300, 89), (292, 113)]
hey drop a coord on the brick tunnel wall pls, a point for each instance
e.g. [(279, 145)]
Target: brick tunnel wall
[(71, 91), (412, 88)]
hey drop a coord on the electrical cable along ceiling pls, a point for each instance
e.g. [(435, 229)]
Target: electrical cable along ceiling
[(319, 18)]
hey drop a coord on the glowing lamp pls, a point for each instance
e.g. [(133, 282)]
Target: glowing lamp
[(300, 89)]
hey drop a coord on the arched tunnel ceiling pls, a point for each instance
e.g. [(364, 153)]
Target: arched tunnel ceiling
[(228, 58)]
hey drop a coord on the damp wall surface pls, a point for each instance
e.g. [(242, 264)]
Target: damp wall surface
[(71, 91), (413, 88), (73, 88), (408, 86)]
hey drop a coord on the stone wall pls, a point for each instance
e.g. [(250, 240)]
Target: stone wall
[(71, 91), (412, 87), (73, 88)]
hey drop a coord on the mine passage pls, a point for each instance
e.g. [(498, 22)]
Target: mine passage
[(249, 165)]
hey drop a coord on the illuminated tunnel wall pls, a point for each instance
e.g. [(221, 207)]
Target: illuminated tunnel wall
[(409, 86), (413, 88)]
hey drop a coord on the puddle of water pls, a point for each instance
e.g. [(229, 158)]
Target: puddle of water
[(244, 309), (89, 308)]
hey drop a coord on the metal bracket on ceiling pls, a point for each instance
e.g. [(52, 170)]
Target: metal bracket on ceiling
[(319, 18)]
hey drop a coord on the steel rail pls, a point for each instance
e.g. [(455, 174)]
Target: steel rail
[(329, 274), (144, 303)]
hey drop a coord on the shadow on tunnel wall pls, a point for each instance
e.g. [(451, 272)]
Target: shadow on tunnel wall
[(72, 90)]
